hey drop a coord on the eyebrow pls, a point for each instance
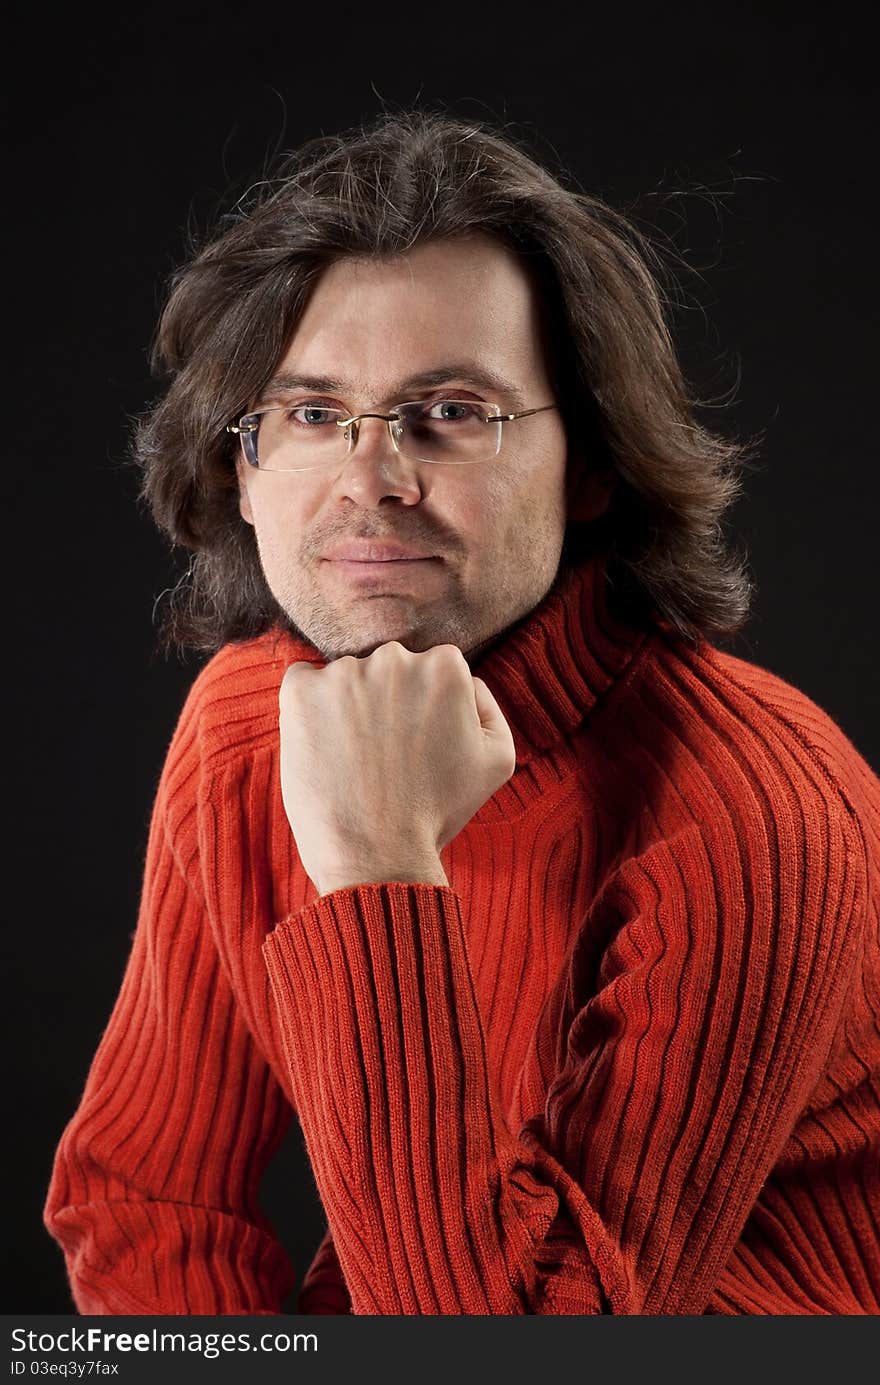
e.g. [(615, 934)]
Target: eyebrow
[(288, 381)]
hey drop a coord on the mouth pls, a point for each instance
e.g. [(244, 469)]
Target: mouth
[(383, 563), (378, 562), (386, 569)]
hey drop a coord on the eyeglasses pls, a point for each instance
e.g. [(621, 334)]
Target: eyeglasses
[(307, 435)]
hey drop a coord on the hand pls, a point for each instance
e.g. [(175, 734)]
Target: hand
[(384, 759)]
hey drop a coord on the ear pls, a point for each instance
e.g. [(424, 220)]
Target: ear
[(244, 500), (587, 493)]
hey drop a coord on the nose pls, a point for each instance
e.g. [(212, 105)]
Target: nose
[(374, 469)]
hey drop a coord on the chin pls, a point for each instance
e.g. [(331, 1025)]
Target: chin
[(363, 649), (416, 644)]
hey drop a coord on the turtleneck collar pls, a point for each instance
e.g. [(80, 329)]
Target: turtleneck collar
[(549, 669)]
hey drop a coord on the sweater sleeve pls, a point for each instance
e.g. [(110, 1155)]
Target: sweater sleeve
[(153, 1190), (679, 1058)]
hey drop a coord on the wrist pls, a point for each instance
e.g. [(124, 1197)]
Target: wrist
[(345, 877)]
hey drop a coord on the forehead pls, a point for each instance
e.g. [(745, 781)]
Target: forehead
[(377, 320)]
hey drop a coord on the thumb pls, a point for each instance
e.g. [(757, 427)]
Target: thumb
[(492, 719)]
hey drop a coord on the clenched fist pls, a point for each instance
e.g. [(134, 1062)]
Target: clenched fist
[(384, 759)]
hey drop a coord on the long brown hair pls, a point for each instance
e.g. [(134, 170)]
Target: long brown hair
[(411, 177)]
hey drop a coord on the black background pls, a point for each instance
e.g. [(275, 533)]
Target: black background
[(742, 136)]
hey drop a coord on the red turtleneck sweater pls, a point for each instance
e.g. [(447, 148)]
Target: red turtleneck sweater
[(626, 1063)]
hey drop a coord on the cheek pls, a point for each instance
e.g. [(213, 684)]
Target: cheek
[(278, 532), (487, 511), (524, 490), (495, 495), (269, 511)]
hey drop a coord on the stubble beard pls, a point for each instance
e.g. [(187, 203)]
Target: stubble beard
[(453, 619)]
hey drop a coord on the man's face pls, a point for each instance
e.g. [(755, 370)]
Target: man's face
[(495, 529)]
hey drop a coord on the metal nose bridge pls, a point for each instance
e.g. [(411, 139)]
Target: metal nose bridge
[(353, 424)]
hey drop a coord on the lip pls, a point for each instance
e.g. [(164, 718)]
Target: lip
[(373, 552), (388, 570)]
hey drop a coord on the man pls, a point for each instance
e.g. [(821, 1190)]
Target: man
[(555, 925)]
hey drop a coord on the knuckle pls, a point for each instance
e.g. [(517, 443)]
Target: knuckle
[(450, 652), (287, 679)]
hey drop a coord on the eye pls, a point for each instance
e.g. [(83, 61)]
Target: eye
[(311, 415), (464, 411)]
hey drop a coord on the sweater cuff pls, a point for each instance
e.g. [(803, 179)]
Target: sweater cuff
[(373, 981)]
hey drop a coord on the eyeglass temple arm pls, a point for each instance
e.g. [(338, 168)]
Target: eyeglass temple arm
[(524, 413)]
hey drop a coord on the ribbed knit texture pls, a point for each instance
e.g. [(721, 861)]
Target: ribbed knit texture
[(626, 1063)]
